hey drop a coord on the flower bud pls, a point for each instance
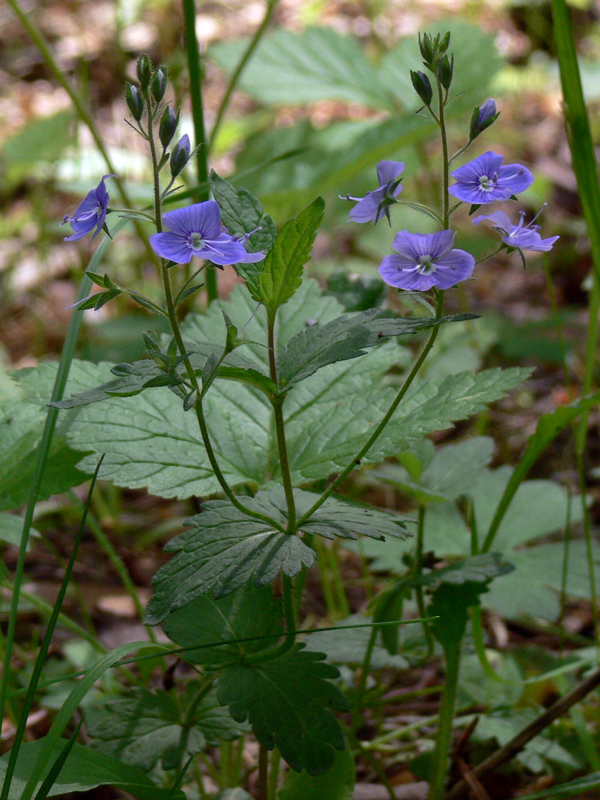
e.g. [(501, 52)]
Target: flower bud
[(482, 118), (135, 101), (168, 126), (159, 84), (444, 43), (445, 71), (422, 86), (426, 48), (144, 70), (180, 155)]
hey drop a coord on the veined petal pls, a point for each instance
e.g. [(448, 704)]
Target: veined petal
[(473, 193), (417, 245), (487, 164), (453, 267), (223, 250), (389, 171), (172, 246), (202, 218), (514, 177)]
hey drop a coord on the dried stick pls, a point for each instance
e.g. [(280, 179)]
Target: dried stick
[(516, 744)]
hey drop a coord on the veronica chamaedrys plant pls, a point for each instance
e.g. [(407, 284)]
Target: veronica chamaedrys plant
[(90, 213)]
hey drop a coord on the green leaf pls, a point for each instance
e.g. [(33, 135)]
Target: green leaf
[(454, 471), (338, 519), (21, 426), (344, 338), (318, 63), (222, 551), (282, 272), (474, 569), (356, 293), (11, 529), (450, 604), (215, 626), (145, 727), (132, 379), (289, 702), (336, 784), (84, 769), (42, 139), (242, 213), (349, 645), (149, 440)]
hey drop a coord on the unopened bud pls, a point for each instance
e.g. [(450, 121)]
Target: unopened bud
[(180, 155), (144, 70), (445, 71), (482, 118), (135, 101), (444, 43), (422, 86), (168, 126), (426, 48), (159, 84)]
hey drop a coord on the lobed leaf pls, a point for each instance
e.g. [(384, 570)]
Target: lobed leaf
[(289, 701), (222, 551), (215, 631), (146, 727)]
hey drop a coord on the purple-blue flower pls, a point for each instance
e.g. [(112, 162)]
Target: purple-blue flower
[(425, 261), (197, 231), (525, 237), (375, 204), (90, 213), (486, 112), (484, 180)]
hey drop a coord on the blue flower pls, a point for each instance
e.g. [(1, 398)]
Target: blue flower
[(375, 204), (484, 180), (486, 112), (425, 261), (197, 231), (525, 237), (90, 213)]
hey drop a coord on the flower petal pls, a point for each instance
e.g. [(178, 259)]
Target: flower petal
[(499, 218), (173, 246), (367, 209), (514, 177), (223, 250), (389, 171), (487, 164), (417, 245), (202, 218), (453, 267), (392, 272)]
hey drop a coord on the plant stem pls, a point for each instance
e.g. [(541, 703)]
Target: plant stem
[(290, 628), (263, 773), (419, 589), (386, 418), (446, 718), (445, 159), (241, 65), (274, 774), (195, 73), (364, 674), (277, 404)]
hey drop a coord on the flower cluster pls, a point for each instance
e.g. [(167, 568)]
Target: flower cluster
[(425, 261)]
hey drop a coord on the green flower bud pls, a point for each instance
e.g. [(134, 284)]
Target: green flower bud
[(144, 70), (445, 71), (422, 86), (168, 126), (135, 101), (159, 84), (180, 155)]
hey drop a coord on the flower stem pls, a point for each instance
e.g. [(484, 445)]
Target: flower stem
[(446, 718), (195, 73), (277, 404), (445, 157), (388, 415)]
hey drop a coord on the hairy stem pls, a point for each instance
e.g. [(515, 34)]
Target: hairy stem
[(446, 718), (386, 418)]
